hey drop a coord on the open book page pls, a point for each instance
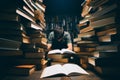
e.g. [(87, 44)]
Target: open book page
[(67, 51), (52, 70), (54, 51), (66, 69), (71, 69)]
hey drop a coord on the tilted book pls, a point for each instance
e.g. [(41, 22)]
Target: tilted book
[(62, 51), (68, 69)]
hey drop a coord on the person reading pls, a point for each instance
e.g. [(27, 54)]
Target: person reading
[(59, 39)]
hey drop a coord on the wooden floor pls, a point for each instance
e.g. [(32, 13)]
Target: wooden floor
[(36, 76)]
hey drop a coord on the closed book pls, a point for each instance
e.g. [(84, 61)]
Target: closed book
[(87, 34), (8, 44), (111, 31), (11, 25), (27, 9), (33, 25), (103, 22), (24, 70), (108, 48), (10, 17), (40, 5), (98, 3), (35, 61), (34, 55), (108, 71), (10, 6), (12, 32), (103, 54), (10, 52), (104, 61), (25, 15), (20, 38)]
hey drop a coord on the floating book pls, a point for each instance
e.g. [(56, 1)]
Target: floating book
[(62, 51), (59, 70)]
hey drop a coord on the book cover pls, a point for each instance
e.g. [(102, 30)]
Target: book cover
[(59, 70)]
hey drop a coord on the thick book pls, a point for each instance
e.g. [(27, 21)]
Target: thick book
[(10, 17), (108, 71), (11, 25), (65, 70), (34, 55), (10, 52), (7, 44), (62, 51), (25, 70)]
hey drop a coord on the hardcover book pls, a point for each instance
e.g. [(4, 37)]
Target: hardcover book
[(22, 70)]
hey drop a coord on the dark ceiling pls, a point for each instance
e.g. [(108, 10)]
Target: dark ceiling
[(63, 7)]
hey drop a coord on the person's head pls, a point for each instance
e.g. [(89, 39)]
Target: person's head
[(58, 32)]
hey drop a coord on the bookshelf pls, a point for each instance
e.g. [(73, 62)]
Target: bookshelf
[(22, 33), (103, 17)]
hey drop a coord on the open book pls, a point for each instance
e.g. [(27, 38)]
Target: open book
[(62, 70), (62, 51)]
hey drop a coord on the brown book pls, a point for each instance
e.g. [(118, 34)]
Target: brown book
[(10, 17), (91, 60), (11, 25), (107, 15), (103, 22), (104, 61), (101, 12), (29, 5), (108, 71), (12, 32), (27, 9), (35, 61), (40, 5), (87, 44), (97, 3), (92, 38), (11, 53), (22, 70), (55, 56), (86, 8), (103, 54), (107, 32), (34, 55), (23, 39), (87, 49), (89, 28), (108, 48), (105, 38), (87, 34), (8, 44)]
